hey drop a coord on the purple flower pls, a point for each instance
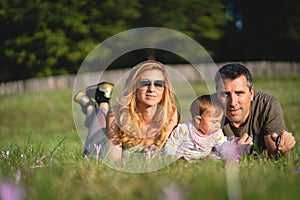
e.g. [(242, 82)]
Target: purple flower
[(234, 151), (173, 192), (10, 191)]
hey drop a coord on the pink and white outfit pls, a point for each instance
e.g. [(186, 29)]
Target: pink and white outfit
[(188, 142)]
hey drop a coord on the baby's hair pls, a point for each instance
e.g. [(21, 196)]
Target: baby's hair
[(205, 102)]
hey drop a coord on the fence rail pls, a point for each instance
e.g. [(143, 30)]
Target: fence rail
[(258, 69)]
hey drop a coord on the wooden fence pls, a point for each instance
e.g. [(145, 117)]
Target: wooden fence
[(191, 73)]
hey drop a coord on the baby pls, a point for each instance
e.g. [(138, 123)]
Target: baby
[(197, 137)]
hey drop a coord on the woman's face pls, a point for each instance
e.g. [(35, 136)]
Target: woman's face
[(150, 88)]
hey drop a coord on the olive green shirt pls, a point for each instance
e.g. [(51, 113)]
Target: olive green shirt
[(265, 117)]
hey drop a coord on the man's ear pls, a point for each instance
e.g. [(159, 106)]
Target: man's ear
[(252, 93)]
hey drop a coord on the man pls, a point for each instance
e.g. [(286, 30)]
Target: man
[(257, 114)]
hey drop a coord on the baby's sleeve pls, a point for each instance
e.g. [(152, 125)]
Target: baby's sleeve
[(173, 142), (219, 139)]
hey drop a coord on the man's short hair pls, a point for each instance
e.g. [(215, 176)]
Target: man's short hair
[(233, 71)]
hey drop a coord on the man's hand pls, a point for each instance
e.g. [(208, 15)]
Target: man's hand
[(286, 143), (245, 139)]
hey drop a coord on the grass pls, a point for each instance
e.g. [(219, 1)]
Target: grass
[(42, 153)]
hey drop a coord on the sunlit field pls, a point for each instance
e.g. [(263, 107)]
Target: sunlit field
[(41, 157)]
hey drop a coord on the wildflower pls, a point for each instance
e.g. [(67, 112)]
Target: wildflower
[(40, 161), (5, 154), (233, 151), (174, 192), (10, 191), (51, 160), (98, 149), (18, 175)]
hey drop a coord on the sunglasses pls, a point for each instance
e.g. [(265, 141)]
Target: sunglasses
[(145, 83)]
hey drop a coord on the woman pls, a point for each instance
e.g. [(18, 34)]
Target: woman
[(145, 114)]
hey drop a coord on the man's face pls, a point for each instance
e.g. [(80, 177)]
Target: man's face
[(236, 97)]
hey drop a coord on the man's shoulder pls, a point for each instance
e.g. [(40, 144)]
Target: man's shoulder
[(263, 97)]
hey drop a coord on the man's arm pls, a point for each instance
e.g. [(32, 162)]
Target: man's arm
[(274, 127)]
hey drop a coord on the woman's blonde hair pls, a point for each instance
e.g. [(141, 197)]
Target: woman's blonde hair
[(129, 122)]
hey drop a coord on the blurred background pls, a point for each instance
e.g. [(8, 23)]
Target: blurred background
[(41, 38)]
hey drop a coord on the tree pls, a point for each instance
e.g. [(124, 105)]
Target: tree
[(270, 31), (202, 20), (45, 38), (51, 37)]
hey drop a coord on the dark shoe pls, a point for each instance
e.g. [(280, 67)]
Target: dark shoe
[(107, 89), (85, 152), (83, 100), (91, 91), (100, 92)]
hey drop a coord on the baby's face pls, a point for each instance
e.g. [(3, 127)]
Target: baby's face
[(209, 123)]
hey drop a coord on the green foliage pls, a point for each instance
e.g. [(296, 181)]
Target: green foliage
[(201, 20), (44, 38)]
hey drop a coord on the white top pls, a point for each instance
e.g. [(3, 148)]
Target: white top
[(182, 143)]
